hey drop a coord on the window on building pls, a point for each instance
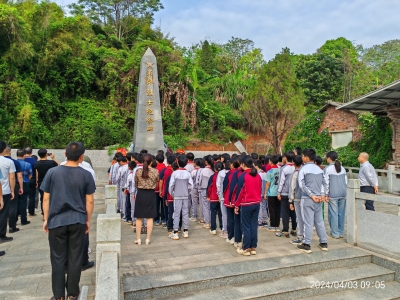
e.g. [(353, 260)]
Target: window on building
[(341, 138)]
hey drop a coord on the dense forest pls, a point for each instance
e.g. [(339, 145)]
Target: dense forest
[(73, 76)]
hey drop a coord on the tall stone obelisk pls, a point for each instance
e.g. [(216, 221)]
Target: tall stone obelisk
[(148, 131)]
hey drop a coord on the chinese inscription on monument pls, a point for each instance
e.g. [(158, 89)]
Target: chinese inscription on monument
[(148, 133)]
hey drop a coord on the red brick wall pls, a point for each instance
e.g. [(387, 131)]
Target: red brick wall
[(336, 120)]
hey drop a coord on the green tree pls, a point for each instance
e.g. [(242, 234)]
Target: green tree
[(379, 55), (206, 60), (277, 101), (116, 14), (339, 48), (321, 77)]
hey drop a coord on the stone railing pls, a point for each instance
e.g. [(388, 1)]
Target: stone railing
[(388, 180), (108, 251), (372, 230)]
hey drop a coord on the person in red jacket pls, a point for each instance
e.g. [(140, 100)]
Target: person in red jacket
[(248, 200), (230, 208), (164, 181), (212, 196), (233, 196), (160, 205)]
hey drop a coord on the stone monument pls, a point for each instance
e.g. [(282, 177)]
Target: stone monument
[(148, 131)]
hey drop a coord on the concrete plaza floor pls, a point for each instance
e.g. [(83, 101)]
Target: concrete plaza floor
[(25, 270), (199, 250), (203, 249)]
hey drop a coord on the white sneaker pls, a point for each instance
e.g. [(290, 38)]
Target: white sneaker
[(230, 241), (206, 226), (193, 219), (213, 232), (243, 252), (237, 245), (174, 236), (185, 234)]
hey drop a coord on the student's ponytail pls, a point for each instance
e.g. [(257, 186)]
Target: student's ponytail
[(248, 162), (209, 160), (253, 172), (219, 166), (334, 157), (227, 164), (338, 166)]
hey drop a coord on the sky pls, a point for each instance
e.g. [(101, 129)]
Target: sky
[(301, 25)]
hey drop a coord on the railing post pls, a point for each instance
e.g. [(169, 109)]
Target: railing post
[(110, 192), (390, 178), (108, 250), (353, 186)]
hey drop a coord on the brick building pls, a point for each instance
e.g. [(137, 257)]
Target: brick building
[(342, 124)]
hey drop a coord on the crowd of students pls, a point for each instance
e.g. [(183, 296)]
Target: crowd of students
[(238, 194)]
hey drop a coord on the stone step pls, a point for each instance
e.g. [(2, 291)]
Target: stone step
[(196, 279), (295, 286), (390, 290)]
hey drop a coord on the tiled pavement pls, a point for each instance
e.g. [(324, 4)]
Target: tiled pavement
[(25, 270)]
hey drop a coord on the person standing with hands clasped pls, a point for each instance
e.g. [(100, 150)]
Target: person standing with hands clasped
[(368, 179), (311, 183), (248, 199), (67, 207)]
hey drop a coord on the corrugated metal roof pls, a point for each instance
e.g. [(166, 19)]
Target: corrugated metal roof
[(377, 100)]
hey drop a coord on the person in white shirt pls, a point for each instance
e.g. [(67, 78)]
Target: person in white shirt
[(7, 169), (220, 192), (1, 205)]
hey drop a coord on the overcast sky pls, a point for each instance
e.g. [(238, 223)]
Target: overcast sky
[(301, 25)]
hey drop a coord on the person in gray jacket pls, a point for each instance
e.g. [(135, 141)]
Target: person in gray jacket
[(335, 194), (202, 183), (283, 195), (368, 179), (180, 187), (294, 200), (311, 183)]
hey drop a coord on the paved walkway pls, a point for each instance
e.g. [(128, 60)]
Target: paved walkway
[(25, 270), (202, 249), (199, 250)]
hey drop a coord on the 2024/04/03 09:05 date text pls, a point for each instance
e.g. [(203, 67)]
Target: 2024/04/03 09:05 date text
[(347, 284)]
